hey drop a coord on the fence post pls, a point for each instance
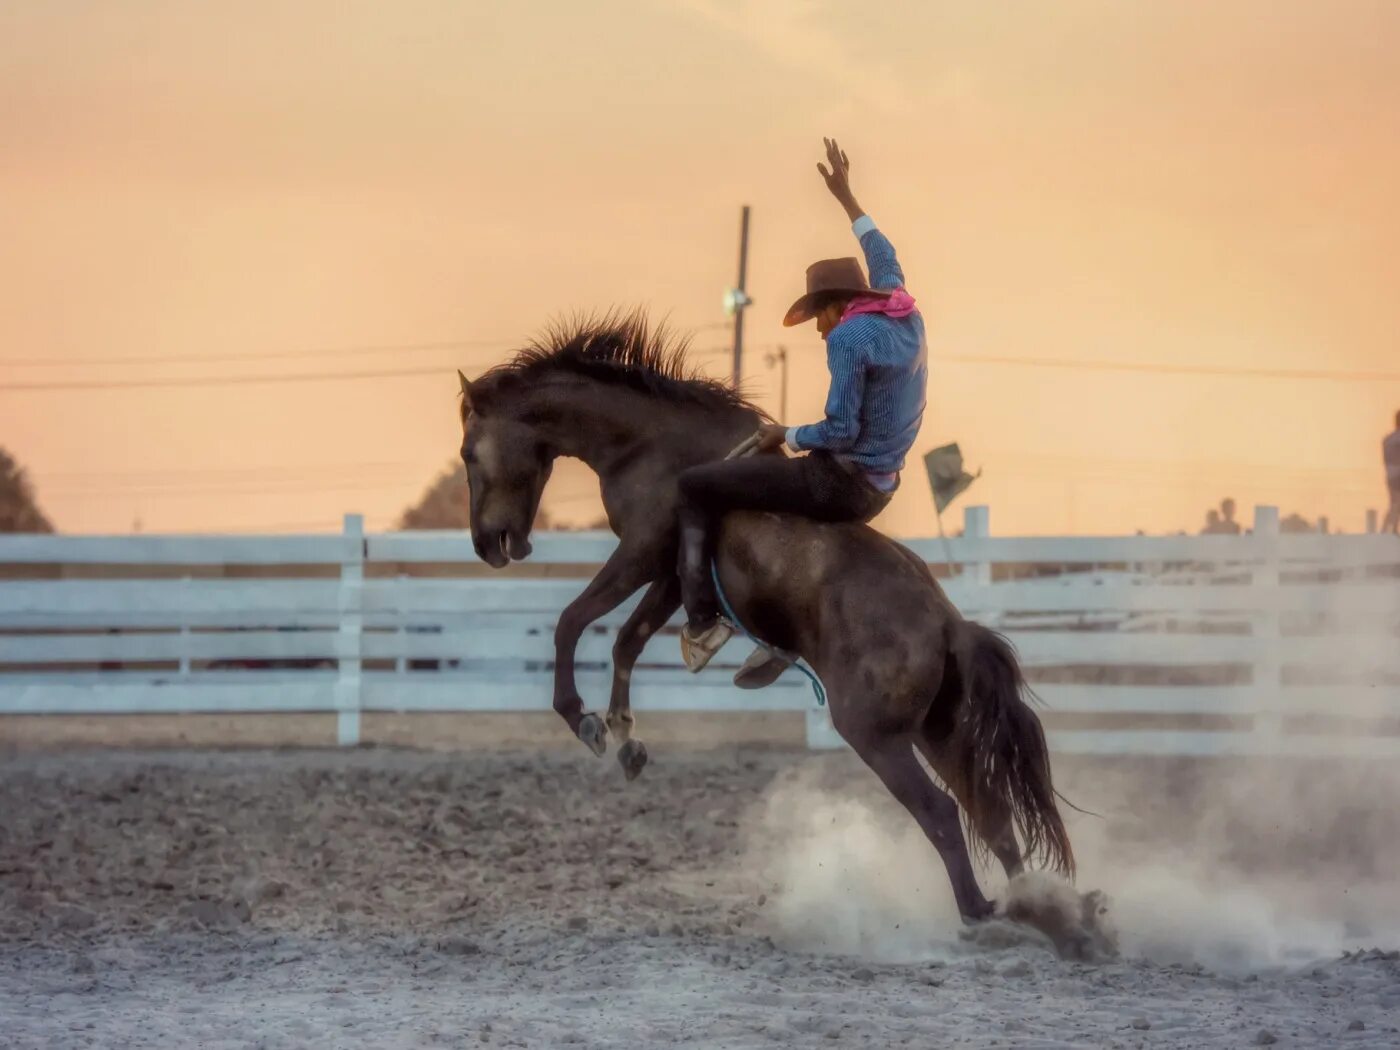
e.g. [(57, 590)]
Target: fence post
[(185, 627), (1373, 519), (400, 635), (977, 567), (1268, 664), (351, 610), (977, 526)]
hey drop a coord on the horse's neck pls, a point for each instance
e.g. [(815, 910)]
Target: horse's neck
[(606, 427)]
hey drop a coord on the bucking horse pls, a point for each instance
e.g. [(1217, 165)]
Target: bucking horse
[(904, 673)]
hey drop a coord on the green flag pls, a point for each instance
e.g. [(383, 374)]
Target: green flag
[(946, 475)]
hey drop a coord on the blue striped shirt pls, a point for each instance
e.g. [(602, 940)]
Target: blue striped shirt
[(879, 372)]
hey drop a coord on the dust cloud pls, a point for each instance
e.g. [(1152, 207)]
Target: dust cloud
[(1232, 866)]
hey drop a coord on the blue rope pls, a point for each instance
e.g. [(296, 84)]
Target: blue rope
[(800, 664)]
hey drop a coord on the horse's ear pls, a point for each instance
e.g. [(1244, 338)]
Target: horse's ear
[(466, 388)]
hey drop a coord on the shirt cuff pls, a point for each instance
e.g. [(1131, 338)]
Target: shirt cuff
[(791, 439), (862, 226)]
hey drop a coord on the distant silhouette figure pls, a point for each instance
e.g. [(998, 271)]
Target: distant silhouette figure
[(1390, 452), (1228, 524), (1212, 523)]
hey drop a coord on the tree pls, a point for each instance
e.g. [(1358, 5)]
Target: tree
[(1296, 523), (447, 505), (19, 510)]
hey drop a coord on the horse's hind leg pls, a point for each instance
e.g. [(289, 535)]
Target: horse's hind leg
[(996, 831), (992, 823), (660, 601), (891, 757)]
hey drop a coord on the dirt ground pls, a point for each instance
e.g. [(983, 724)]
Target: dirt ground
[(733, 897)]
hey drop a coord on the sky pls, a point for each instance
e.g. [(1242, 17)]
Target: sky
[(1184, 192)]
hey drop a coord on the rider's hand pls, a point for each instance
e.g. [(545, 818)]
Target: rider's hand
[(771, 436), (838, 179)]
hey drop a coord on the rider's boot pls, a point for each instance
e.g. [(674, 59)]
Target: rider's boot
[(698, 647), (706, 631), (763, 667)]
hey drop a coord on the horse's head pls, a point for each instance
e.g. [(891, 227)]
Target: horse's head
[(507, 467)]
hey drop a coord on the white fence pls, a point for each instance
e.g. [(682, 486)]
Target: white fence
[(1164, 645)]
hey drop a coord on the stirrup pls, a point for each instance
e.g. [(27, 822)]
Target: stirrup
[(698, 649), (764, 666)]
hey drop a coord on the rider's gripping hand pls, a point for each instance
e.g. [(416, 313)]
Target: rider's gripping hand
[(770, 437)]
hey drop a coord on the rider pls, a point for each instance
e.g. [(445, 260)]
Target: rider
[(877, 355)]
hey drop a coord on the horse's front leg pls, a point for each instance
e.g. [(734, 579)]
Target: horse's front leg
[(660, 601), (623, 573)]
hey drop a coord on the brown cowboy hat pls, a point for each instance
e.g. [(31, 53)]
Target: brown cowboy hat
[(830, 277)]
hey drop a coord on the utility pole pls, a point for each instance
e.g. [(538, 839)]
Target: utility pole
[(739, 298), (779, 357)]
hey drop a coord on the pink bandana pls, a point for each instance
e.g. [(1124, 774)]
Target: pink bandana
[(898, 304)]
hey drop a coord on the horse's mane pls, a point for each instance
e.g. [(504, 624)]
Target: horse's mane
[(619, 349)]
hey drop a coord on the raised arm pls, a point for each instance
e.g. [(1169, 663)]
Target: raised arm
[(838, 179), (879, 255), (879, 252)]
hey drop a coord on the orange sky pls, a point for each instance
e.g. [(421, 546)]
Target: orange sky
[(1186, 183)]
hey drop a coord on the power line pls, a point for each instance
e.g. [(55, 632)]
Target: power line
[(502, 345), (1148, 366), (1167, 369), (395, 373), (226, 490), (273, 486), (274, 355), (391, 476), (1170, 369), (1144, 481), (1152, 468), (194, 381), (311, 471), (295, 377)]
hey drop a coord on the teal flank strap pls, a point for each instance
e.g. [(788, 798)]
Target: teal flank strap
[(817, 689)]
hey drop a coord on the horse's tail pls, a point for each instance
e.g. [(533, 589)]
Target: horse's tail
[(1005, 762)]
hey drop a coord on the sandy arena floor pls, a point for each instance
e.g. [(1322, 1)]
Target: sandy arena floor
[(387, 898)]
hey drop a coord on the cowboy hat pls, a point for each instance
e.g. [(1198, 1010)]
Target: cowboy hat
[(830, 277)]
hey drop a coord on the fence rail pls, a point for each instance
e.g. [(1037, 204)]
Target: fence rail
[(1165, 645)]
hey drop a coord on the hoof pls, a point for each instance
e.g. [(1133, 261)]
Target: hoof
[(594, 733), (981, 913), (1078, 925), (632, 757)]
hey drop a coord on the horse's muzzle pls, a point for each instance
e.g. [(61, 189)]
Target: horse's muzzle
[(499, 549), (517, 546), (492, 549)]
